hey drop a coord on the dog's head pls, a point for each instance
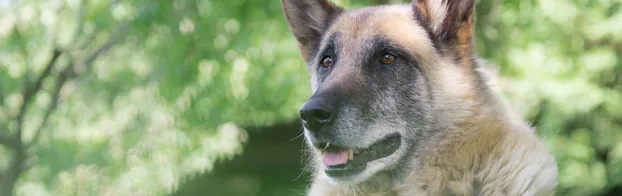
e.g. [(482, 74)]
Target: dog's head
[(382, 77)]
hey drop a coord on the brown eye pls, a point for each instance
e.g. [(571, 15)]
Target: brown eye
[(387, 58), (326, 61)]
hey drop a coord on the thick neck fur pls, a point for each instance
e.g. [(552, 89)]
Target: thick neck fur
[(463, 112)]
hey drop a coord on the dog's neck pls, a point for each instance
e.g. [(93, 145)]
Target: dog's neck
[(463, 116)]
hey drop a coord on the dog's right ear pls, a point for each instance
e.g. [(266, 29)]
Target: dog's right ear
[(308, 20), (452, 22)]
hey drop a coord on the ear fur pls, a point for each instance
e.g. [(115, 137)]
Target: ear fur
[(308, 20), (451, 21)]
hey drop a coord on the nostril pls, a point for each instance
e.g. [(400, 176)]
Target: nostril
[(317, 113), (321, 115), (303, 116)]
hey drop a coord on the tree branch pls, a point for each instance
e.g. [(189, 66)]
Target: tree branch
[(10, 177), (69, 73), (29, 93), (60, 82), (114, 39)]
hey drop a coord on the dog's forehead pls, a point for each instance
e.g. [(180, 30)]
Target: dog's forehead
[(396, 23), (371, 21)]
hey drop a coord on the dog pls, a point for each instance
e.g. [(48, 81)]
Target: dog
[(399, 105)]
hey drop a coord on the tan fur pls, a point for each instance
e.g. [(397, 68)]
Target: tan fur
[(490, 151), (386, 20), (434, 11), (484, 145)]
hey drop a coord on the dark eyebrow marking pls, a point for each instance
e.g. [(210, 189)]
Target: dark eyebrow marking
[(375, 46), (329, 46), (378, 44)]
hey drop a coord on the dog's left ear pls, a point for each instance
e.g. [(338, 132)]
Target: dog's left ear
[(451, 21), (309, 20)]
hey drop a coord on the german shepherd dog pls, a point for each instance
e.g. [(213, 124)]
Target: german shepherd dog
[(400, 106)]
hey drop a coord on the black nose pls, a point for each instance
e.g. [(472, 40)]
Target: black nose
[(316, 112)]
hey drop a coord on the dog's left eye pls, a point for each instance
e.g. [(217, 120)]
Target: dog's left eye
[(326, 61), (387, 58)]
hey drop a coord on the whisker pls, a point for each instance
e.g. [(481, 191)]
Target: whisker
[(302, 130), (302, 163), (298, 136)]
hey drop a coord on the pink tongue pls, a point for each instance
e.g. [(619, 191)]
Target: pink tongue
[(335, 158)]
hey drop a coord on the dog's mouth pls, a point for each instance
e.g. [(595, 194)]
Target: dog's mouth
[(340, 161)]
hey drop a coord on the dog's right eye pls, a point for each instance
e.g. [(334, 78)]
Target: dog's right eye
[(388, 58), (326, 61)]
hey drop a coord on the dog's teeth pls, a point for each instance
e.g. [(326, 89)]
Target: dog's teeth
[(351, 155)]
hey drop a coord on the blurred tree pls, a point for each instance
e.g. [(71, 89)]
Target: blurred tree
[(561, 66), (130, 97), (120, 97)]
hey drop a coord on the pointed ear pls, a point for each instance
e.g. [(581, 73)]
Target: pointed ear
[(451, 21), (308, 20)]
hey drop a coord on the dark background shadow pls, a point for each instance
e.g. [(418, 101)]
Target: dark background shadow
[(270, 165)]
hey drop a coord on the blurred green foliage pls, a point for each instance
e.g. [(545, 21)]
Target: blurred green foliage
[(148, 93)]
